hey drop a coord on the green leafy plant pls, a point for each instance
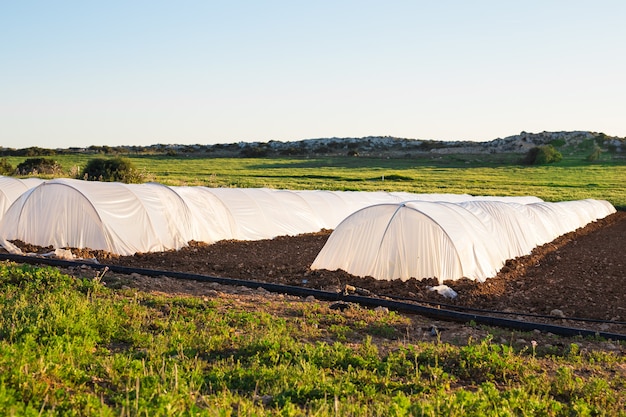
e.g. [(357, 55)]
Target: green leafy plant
[(116, 169), (74, 346), (558, 142), (595, 154), (540, 155)]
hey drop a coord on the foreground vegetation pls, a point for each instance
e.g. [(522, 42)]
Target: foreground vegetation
[(72, 346)]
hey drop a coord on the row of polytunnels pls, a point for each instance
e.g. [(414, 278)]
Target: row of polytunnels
[(386, 235)]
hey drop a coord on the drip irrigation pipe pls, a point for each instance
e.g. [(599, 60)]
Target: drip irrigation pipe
[(431, 312), (506, 313)]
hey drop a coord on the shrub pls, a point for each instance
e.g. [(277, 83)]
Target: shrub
[(322, 149), (36, 166), (116, 169), (557, 142), (544, 154), (37, 151), (253, 151), (5, 167), (595, 154), (291, 151), (102, 149)]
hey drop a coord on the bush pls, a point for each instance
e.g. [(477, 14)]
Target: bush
[(37, 151), (102, 149), (557, 142), (38, 166), (5, 167), (254, 151), (116, 169), (291, 151), (544, 154), (595, 154)]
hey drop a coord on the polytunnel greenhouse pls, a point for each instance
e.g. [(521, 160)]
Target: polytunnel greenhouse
[(12, 188), (448, 241), (119, 218), (386, 235), (126, 219)]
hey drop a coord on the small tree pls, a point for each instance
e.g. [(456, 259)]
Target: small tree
[(38, 166), (544, 154), (109, 170)]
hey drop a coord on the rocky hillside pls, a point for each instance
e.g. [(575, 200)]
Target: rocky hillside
[(401, 147), (377, 146)]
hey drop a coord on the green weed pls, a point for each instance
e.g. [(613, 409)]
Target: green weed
[(71, 346)]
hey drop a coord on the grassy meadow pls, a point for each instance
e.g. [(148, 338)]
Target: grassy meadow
[(571, 179), (78, 345), (80, 348)]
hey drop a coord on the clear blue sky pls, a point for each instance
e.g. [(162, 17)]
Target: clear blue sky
[(80, 73)]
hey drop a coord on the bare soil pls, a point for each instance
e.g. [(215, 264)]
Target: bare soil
[(579, 275)]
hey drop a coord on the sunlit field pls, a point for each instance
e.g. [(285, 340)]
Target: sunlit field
[(571, 179), (73, 346)]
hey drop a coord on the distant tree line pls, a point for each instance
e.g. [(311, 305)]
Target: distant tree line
[(32, 151), (103, 150)]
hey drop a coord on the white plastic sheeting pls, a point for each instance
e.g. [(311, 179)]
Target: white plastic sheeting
[(119, 218), (448, 241), (389, 241), (212, 220), (12, 188), (264, 213), (130, 218)]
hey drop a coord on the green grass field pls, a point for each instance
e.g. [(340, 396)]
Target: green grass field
[(571, 179), (74, 347)]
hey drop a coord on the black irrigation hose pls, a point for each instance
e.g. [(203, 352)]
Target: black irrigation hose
[(431, 312), (506, 313)]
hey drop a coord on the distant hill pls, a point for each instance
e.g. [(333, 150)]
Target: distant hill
[(377, 146)]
